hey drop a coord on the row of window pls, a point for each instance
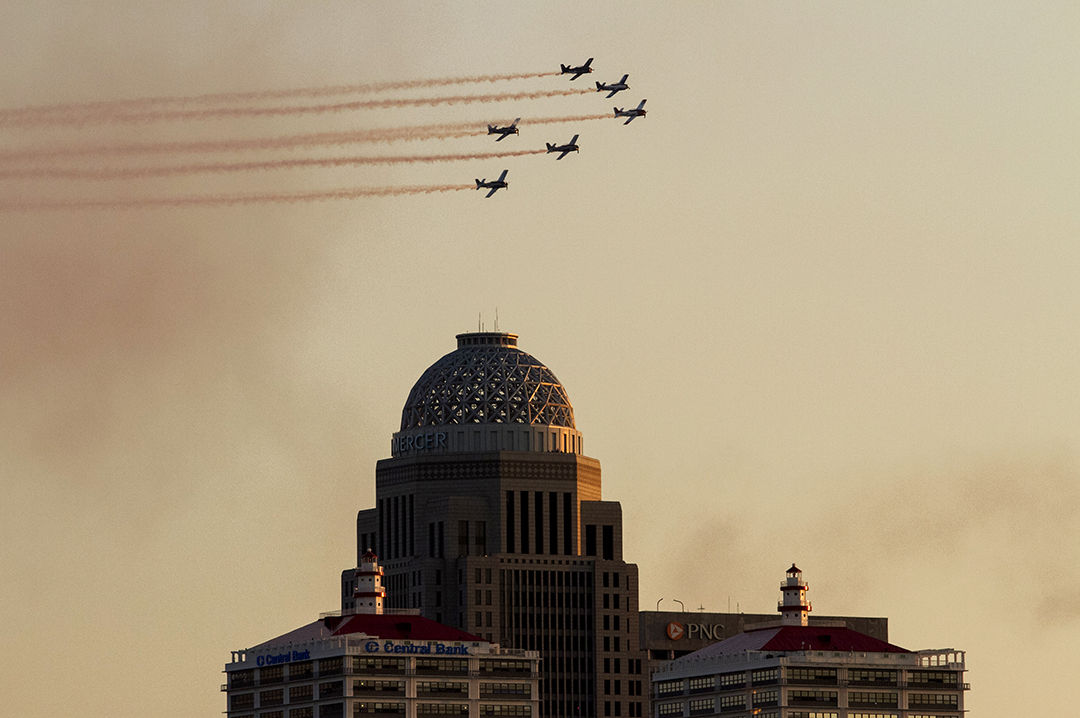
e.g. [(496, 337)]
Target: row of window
[(810, 675)]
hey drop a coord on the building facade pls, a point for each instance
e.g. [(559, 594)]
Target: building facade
[(488, 516), (798, 669), (376, 665)]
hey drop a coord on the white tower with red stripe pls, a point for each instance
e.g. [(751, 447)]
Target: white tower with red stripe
[(794, 609), (368, 595)]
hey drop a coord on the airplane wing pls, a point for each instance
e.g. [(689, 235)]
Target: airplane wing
[(564, 154), (573, 140), (611, 94), (629, 119), (624, 79), (493, 190), (502, 177), (641, 104), (502, 136), (577, 76)]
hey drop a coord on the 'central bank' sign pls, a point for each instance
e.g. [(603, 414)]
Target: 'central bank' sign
[(710, 631), (440, 649)]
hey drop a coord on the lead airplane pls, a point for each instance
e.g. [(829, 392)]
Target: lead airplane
[(633, 112), (566, 149), (613, 87), (577, 71), (502, 132), (494, 185)]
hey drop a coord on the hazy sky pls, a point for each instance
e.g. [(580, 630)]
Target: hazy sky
[(819, 306)]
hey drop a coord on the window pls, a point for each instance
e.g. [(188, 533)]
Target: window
[(452, 666), (702, 706), (241, 679), (299, 694), (768, 697), (872, 699), (732, 703), (667, 688), (275, 674), (366, 665), (933, 700), (945, 679), (442, 709), (305, 712), (271, 698), (442, 688), (730, 680), (765, 675), (300, 671), (330, 689), (242, 701), (378, 709), (506, 711), (701, 683), (369, 687), (505, 690), (804, 698), (824, 676), (330, 667), (669, 709), (868, 677)]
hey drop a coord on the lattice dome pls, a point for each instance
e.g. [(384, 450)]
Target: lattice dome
[(487, 380)]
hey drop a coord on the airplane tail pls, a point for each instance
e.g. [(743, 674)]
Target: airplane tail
[(598, 88), (564, 67), (551, 147), (617, 110), (477, 184), (491, 129)]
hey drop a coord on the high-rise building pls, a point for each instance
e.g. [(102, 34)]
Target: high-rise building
[(488, 517), (794, 668)]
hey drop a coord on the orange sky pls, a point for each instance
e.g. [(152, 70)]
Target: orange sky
[(818, 306)]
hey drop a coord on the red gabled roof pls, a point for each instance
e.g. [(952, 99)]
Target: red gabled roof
[(797, 638), (415, 628)]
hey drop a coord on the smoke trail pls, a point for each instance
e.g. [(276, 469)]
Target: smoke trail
[(114, 173), (225, 200), (320, 139), (112, 106), (155, 116)]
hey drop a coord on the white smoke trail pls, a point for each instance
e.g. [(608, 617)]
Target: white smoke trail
[(115, 173), (224, 200), (112, 106), (79, 119), (320, 139)]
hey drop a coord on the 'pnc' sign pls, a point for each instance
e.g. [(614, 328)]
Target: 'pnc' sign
[(710, 631)]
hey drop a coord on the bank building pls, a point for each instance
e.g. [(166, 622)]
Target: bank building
[(370, 663), (488, 517), (792, 668)]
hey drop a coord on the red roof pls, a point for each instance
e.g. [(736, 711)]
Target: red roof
[(416, 628), (412, 627), (798, 638)]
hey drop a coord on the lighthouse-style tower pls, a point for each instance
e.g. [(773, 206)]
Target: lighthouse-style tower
[(794, 609), (369, 592)]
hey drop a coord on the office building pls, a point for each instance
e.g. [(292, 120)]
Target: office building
[(488, 516), (371, 664), (793, 668)]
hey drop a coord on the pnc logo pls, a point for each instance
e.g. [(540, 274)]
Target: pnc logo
[(675, 630)]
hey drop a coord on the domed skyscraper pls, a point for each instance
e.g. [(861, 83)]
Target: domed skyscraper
[(488, 517)]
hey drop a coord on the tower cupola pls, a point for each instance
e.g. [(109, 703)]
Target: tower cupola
[(369, 594), (794, 608)]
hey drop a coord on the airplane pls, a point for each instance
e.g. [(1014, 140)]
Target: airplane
[(566, 149), (577, 71), (502, 132), (633, 112), (613, 87), (493, 185)]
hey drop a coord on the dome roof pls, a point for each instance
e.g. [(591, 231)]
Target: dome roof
[(487, 380)]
